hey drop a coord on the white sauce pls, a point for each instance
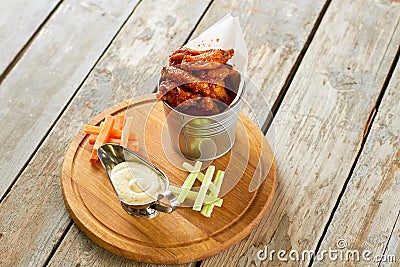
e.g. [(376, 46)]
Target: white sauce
[(136, 183)]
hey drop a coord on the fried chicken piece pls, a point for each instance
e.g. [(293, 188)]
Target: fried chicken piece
[(176, 56), (217, 74), (176, 59), (194, 81), (179, 96), (218, 92), (182, 77), (189, 51), (208, 60), (165, 86)]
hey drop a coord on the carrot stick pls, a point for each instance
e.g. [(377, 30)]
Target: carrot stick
[(115, 133), (92, 140), (90, 129), (103, 136)]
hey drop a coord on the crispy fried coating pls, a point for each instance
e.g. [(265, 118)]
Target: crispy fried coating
[(176, 56), (194, 80), (188, 51), (165, 86), (217, 91), (208, 60), (182, 77), (217, 74), (178, 96)]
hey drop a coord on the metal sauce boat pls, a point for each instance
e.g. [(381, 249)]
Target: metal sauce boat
[(111, 155)]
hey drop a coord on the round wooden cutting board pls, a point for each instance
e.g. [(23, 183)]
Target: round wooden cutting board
[(185, 235)]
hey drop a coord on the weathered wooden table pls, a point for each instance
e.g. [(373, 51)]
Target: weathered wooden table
[(328, 69)]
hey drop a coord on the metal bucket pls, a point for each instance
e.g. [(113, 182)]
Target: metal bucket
[(204, 137)]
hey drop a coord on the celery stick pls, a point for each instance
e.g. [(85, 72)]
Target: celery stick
[(189, 168), (208, 208), (206, 211), (200, 176), (203, 189), (192, 195), (189, 182)]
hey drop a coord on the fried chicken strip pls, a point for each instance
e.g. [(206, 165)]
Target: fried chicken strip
[(194, 80), (217, 74), (182, 77), (208, 60), (165, 87), (177, 96), (218, 92), (176, 56)]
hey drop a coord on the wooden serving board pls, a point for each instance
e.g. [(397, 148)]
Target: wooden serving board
[(185, 235)]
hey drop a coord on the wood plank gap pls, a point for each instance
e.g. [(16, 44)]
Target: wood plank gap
[(54, 249), (367, 130), (63, 110), (193, 30), (294, 69), (390, 236), (19, 55)]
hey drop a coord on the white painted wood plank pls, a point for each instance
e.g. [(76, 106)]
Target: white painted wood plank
[(44, 80), (320, 124), (392, 253), (78, 250), (32, 96), (369, 209), (138, 52), (19, 19), (275, 32)]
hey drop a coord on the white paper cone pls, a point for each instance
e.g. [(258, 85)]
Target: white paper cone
[(225, 34)]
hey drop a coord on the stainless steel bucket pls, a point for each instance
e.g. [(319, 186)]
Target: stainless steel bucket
[(203, 137)]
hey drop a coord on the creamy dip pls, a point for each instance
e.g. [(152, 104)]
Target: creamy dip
[(135, 183)]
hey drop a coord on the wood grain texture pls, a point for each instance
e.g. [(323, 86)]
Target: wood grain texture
[(36, 196), (393, 247), (45, 79), (185, 235), (275, 33), (90, 254), (370, 207), (19, 21), (32, 96), (320, 126)]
